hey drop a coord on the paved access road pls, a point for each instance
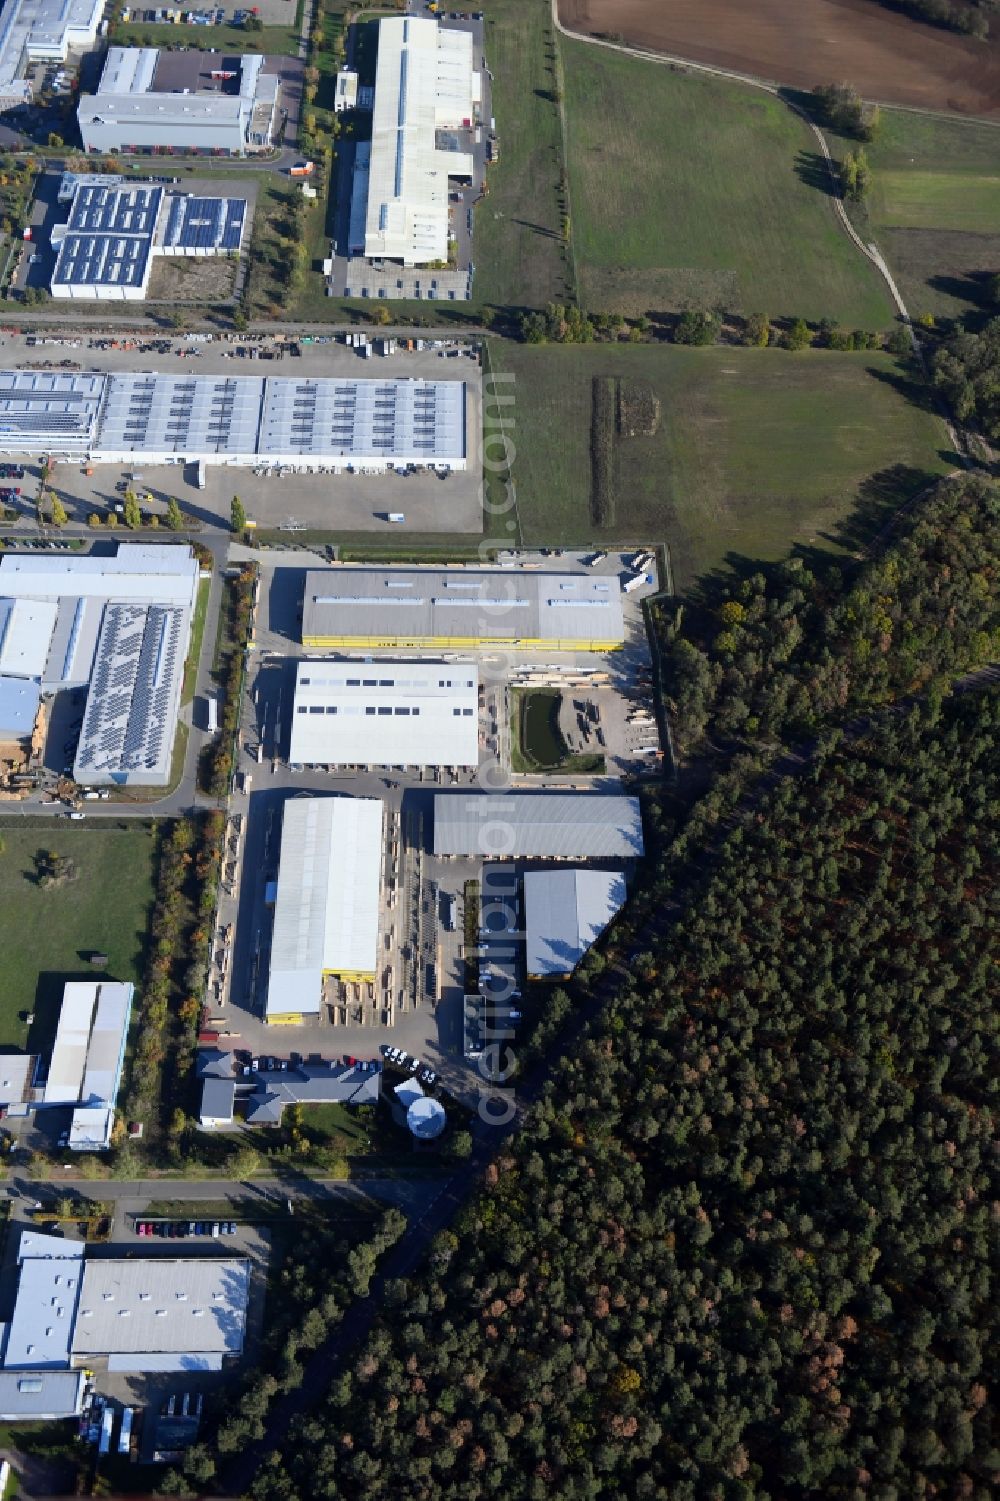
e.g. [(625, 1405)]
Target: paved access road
[(405, 1193)]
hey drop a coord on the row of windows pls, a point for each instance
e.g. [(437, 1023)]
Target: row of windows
[(334, 709), (384, 682)]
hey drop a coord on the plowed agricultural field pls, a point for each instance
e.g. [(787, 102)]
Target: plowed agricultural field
[(804, 42)]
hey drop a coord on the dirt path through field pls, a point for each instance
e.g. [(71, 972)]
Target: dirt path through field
[(886, 56)]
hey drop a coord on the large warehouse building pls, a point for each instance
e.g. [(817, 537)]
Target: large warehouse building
[(41, 31), (149, 100), (565, 912), (118, 625), (140, 1314), (538, 826), (115, 232), (395, 714), (327, 908), (244, 420), (425, 83), (446, 608)]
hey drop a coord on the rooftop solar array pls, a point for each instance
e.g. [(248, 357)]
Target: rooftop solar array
[(203, 225), (239, 419), (111, 235), (115, 210), (415, 421), (43, 409), (101, 260), (131, 707), (178, 414)]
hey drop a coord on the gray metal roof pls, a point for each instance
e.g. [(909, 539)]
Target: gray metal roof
[(568, 611), (40, 1394), (565, 912), (544, 825), (151, 1304), (217, 1099), (311, 1084)]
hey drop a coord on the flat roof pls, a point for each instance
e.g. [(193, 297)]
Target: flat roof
[(120, 210), (41, 1328), (205, 224), (327, 908), (42, 28), (565, 912), (26, 627), (425, 80), (165, 574), (392, 714), (281, 419), (40, 1394), (461, 607), (150, 1305), (131, 714), (89, 1047), (19, 702), (542, 825), (15, 1076), (43, 409), (34, 1243)]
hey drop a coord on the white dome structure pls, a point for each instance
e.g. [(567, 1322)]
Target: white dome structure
[(426, 1118)]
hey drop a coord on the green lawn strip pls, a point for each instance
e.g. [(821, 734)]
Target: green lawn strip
[(360, 547), (757, 449), (517, 237), (689, 190), (46, 934), (197, 636)]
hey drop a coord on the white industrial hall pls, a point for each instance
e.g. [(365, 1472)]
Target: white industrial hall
[(393, 714)]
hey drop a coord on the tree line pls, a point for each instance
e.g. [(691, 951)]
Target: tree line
[(791, 648), (743, 1247)]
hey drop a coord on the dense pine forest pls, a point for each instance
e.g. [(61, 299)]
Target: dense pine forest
[(742, 1248)]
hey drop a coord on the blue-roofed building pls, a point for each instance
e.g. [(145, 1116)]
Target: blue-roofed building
[(131, 210), (202, 226), (115, 230), (106, 248)]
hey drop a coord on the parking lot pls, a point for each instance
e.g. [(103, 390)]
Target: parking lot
[(291, 501)]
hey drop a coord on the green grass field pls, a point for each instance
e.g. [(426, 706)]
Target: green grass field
[(518, 250), (935, 208), (931, 200), (691, 191), (756, 449), (46, 934)]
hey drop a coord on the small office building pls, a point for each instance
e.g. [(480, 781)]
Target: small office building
[(392, 714)]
